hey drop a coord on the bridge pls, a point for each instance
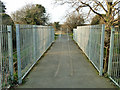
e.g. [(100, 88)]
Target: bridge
[(64, 65), (67, 62)]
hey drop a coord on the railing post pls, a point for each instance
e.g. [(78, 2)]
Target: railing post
[(102, 49), (10, 50), (51, 28), (50, 34), (90, 42), (0, 57), (34, 41), (111, 50), (18, 53), (53, 36)]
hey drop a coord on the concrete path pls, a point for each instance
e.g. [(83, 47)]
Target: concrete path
[(65, 66)]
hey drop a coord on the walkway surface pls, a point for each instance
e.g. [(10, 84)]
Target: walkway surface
[(65, 66)]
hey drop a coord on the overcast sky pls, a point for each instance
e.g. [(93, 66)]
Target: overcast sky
[(56, 12)]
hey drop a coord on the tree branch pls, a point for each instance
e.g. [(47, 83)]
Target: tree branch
[(100, 4), (94, 10), (117, 19), (115, 3)]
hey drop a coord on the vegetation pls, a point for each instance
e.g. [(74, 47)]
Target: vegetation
[(56, 26), (31, 14), (73, 21), (56, 36), (96, 20), (3, 7), (7, 20), (108, 7)]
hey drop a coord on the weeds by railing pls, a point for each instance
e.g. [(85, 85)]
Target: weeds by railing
[(6, 61), (32, 42)]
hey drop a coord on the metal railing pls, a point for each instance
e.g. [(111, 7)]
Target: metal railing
[(91, 40), (32, 42), (114, 56), (6, 58)]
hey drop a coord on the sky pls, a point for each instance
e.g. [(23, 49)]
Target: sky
[(57, 12)]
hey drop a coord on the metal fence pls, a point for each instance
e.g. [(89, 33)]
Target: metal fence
[(6, 59), (114, 56), (91, 40), (32, 42)]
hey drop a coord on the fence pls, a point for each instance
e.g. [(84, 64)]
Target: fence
[(32, 42), (91, 40), (6, 59), (114, 56)]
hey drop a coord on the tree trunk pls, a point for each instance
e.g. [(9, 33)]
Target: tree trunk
[(107, 45)]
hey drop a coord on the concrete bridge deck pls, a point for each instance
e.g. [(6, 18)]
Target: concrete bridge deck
[(65, 66)]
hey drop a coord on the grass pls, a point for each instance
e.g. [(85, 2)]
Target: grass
[(56, 36), (71, 34), (15, 57)]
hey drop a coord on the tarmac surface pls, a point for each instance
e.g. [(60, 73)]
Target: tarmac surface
[(65, 66)]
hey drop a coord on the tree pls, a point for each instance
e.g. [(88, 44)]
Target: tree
[(56, 26), (31, 14), (7, 20), (73, 21), (96, 6), (2, 10), (108, 7), (3, 7), (96, 20)]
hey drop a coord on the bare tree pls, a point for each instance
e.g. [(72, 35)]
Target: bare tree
[(96, 6), (74, 20), (99, 7)]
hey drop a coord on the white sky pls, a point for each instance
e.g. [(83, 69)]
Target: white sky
[(56, 12)]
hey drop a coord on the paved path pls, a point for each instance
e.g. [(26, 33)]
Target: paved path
[(65, 66)]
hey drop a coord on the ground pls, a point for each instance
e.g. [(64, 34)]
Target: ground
[(65, 66)]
